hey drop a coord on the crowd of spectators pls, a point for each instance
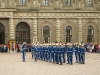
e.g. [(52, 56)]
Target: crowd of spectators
[(18, 47), (92, 48)]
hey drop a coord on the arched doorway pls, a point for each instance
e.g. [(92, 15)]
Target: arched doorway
[(90, 34), (46, 34), (2, 34), (68, 34), (22, 33)]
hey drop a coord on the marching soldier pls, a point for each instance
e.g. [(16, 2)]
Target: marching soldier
[(32, 50), (79, 55), (49, 52), (64, 53), (60, 54), (53, 53), (35, 53), (71, 55), (46, 53), (41, 52), (76, 52), (82, 54), (57, 55), (67, 50)]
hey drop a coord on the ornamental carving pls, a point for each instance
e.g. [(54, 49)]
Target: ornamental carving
[(6, 14)]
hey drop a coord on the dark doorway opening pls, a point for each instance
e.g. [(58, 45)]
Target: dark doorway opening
[(2, 34), (2, 37)]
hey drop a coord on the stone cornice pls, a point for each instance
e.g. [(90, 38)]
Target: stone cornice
[(7, 10), (66, 11)]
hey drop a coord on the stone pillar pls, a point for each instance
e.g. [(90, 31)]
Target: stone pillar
[(57, 30), (99, 32), (80, 30), (11, 29), (34, 30)]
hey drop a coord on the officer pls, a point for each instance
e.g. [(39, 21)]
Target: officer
[(71, 55), (82, 54), (32, 50), (76, 52), (23, 51)]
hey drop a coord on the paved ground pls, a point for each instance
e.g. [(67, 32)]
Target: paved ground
[(11, 64)]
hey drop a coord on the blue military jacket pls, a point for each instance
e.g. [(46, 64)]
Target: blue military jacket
[(71, 51), (82, 51), (76, 49)]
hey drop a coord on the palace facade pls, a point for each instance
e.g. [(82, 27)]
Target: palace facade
[(50, 21)]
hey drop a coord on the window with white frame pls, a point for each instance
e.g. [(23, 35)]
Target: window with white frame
[(45, 2), (90, 34), (46, 34), (22, 2), (67, 2), (89, 3), (68, 34)]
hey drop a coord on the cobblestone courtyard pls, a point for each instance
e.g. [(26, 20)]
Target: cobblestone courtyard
[(11, 64)]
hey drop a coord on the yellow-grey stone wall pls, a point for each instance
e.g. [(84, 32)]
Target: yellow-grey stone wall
[(57, 16)]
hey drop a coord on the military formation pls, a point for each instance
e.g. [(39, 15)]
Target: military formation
[(56, 53)]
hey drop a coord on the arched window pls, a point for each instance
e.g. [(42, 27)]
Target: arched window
[(45, 2), (68, 34), (22, 2), (89, 3), (67, 2), (46, 34), (22, 33), (90, 34)]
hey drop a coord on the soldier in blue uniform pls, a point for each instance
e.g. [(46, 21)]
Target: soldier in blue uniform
[(76, 52), (38, 52), (64, 52), (23, 51), (49, 52), (46, 53), (35, 53), (32, 50), (82, 55), (71, 55), (79, 55), (41, 52), (57, 55), (60, 54), (53, 53), (67, 51)]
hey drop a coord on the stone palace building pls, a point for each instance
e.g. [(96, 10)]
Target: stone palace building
[(50, 21)]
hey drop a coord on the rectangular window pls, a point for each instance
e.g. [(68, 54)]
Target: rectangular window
[(22, 2), (89, 3), (68, 3), (45, 2)]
